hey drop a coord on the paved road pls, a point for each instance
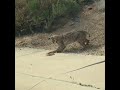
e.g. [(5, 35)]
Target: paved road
[(36, 71)]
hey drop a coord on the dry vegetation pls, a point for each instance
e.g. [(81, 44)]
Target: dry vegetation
[(90, 19), (31, 14)]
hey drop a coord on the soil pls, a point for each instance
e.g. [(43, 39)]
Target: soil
[(91, 19)]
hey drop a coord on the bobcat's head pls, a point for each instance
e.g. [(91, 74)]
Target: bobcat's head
[(54, 38)]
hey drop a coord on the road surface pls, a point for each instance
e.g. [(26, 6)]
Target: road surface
[(36, 71)]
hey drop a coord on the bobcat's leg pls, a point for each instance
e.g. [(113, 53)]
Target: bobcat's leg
[(59, 50)]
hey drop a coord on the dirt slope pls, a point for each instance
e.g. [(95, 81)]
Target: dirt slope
[(92, 20)]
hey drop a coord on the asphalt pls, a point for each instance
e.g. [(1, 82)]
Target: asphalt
[(36, 71)]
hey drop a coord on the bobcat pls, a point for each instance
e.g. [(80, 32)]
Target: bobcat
[(67, 38)]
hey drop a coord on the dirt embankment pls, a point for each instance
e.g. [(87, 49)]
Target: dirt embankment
[(92, 20)]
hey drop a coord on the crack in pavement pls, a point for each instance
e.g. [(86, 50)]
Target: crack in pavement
[(65, 80), (36, 84), (50, 78), (84, 67)]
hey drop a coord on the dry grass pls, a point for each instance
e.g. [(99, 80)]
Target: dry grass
[(91, 20), (31, 14)]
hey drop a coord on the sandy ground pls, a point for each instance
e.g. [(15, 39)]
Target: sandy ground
[(36, 71)]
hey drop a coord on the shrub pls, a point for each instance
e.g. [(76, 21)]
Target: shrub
[(37, 15)]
